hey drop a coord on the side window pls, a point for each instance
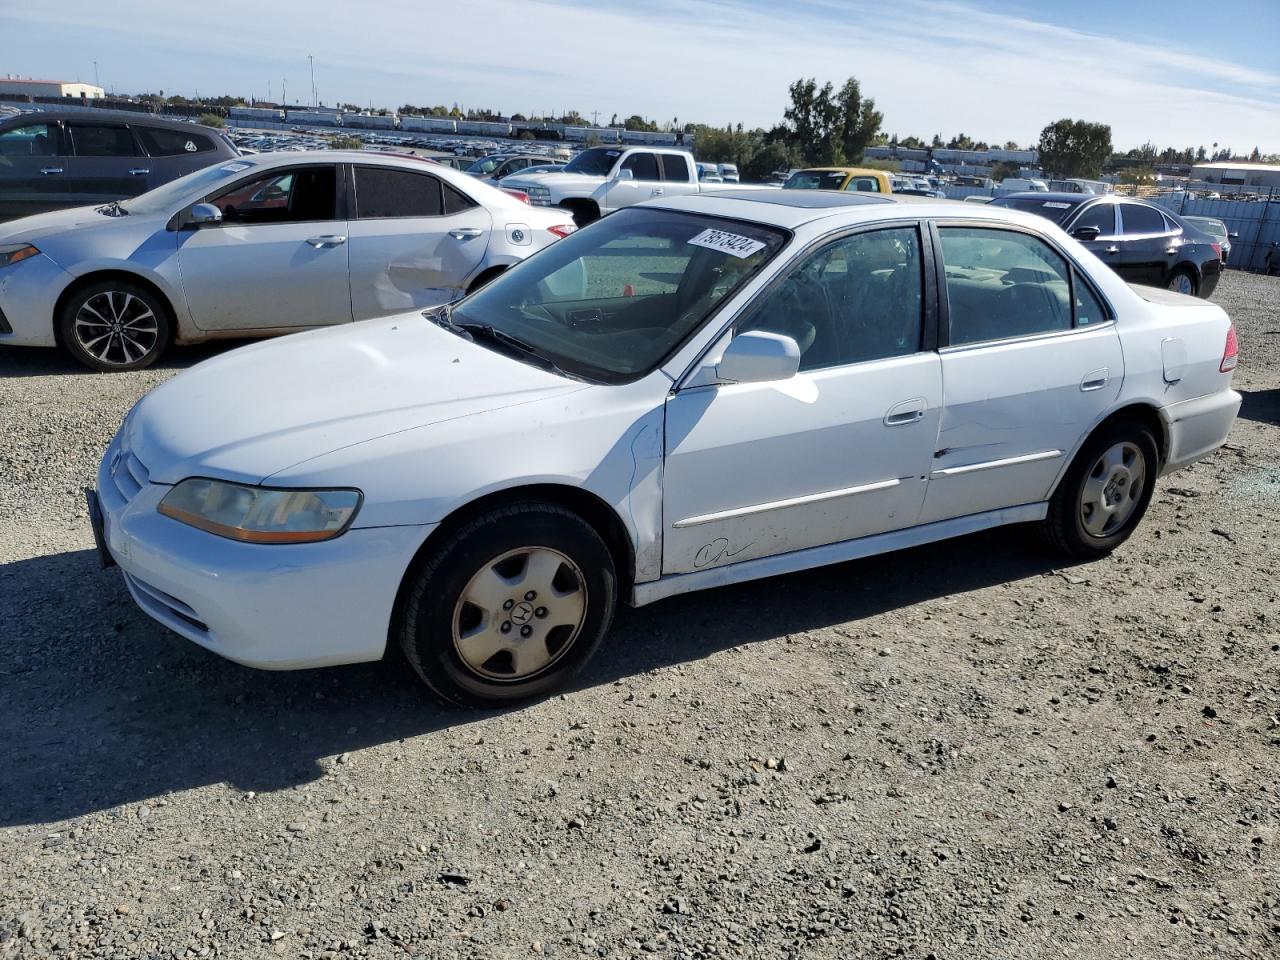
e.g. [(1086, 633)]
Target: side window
[(1139, 219), (161, 142), (674, 168), (455, 201), (383, 193), (32, 140), (92, 140), (857, 299), (643, 166), (296, 195), (1089, 309), (864, 184), (1002, 284), (1100, 215)]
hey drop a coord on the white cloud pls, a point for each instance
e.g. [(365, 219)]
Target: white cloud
[(932, 65)]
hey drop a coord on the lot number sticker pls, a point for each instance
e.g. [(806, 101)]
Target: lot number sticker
[(730, 243)]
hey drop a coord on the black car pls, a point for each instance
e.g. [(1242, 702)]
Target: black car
[(1142, 242), (75, 158)]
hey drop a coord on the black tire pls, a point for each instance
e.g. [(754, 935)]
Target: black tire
[(132, 341), (1174, 280), (1065, 527), (485, 278), (584, 213), (434, 607)]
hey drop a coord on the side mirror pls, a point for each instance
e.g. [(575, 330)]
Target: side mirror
[(202, 215), (757, 356), (1233, 236), (1085, 234), (621, 174)]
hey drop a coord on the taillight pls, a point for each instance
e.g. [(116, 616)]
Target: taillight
[(1231, 352), (562, 230), (518, 194), (1217, 250)]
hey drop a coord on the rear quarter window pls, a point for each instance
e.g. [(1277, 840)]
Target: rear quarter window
[(160, 142)]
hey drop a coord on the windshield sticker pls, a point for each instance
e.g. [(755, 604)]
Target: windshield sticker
[(235, 167), (1056, 205), (730, 243), (612, 153)]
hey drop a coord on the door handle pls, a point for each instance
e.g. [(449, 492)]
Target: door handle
[(465, 233), (139, 172), (908, 411), (1095, 380), (1171, 251), (50, 170), (332, 240), (655, 192), (1112, 249)]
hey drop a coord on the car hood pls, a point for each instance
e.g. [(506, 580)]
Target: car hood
[(555, 181), (257, 410), (56, 222)]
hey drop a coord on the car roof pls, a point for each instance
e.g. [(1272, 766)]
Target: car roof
[(93, 113), (792, 208)]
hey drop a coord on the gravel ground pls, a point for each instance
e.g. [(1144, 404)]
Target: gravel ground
[(958, 751)]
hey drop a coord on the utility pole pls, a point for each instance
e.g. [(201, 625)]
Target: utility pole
[(284, 97), (312, 60), (95, 74)]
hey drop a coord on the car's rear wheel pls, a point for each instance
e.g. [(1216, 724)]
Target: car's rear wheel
[(509, 606), (1105, 493), (115, 325), (1183, 281)]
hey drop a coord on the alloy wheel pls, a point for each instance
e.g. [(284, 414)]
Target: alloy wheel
[(519, 614), (1181, 283), (116, 327), (1112, 489)]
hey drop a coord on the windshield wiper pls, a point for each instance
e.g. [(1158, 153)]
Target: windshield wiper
[(113, 209), (443, 316), (492, 334)]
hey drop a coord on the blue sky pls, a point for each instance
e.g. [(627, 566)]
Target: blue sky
[(1175, 72)]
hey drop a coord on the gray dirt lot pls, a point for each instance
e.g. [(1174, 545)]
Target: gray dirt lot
[(960, 751)]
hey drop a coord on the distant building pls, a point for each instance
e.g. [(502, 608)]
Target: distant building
[(1243, 174), (11, 86)]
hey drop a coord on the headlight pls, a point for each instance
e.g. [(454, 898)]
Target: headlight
[(14, 252), (537, 191), (260, 514)]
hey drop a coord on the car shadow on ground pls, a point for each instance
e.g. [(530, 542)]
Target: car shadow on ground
[(100, 707), (49, 362), (1261, 405)]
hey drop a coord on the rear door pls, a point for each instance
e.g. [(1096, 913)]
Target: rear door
[(33, 169), (277, 260), (107, 162), (1030, 361), (1147, 245), (677, 175), (415, 241), (173, 153)]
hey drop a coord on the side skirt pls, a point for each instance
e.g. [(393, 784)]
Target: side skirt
[(644, 593)]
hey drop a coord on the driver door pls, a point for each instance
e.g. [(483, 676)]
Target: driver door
[(840, 451), (278, 259), (645, 182)]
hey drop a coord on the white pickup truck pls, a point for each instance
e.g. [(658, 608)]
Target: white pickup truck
[(603, 179)]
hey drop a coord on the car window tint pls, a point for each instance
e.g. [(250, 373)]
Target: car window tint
[(31, 140), (1089, 308), (160, 142), (858, 299), (1002, 283), (674, 168), (1100, 215), (102, 141), (864, 184), (382, 192), (643, 166), (455, 201), (295, 195), (1138, 218)]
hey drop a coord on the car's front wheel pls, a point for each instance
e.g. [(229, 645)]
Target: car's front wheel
[(1105, 493), (114, 325), (510, 606)]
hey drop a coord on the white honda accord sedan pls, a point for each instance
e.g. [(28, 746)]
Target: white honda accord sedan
[(257, 246), (689, 393)]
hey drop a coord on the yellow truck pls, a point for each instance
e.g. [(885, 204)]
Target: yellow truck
[(839, 178)]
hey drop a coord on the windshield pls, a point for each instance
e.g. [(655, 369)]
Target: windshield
[(1055, 210), (596, 162), (176, 192), (611, 303), (815, 180), (485, 165)]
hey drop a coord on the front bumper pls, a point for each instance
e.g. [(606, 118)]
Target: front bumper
[(1198, 427), (29, 292), (275, 607)]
